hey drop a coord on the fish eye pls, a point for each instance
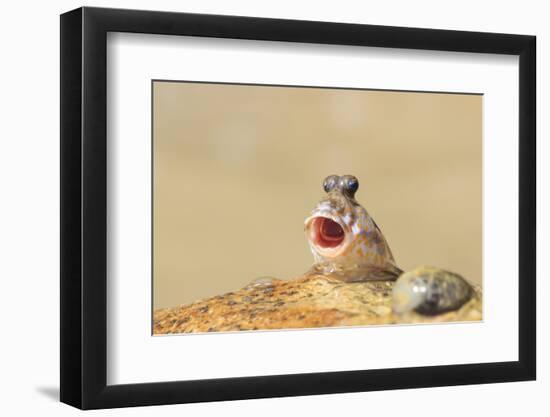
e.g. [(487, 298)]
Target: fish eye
[(351, 184), (330, 182)]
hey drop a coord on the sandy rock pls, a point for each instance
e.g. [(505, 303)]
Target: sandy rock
[(305, 302)]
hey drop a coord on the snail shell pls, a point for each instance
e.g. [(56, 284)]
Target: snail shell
[(428, 290)]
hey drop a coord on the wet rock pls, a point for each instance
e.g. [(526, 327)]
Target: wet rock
[(305, 302)]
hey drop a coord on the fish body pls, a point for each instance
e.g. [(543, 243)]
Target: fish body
[(344, 239)]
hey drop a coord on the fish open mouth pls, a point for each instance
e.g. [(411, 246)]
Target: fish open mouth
[(326, 233)]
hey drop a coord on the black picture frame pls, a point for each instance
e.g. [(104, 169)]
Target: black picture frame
[(84, 207)]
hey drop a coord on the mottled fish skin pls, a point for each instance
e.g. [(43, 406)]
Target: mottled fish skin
[(428, 290), (363, 254)]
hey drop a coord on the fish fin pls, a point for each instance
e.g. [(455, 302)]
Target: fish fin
[(389, 273)]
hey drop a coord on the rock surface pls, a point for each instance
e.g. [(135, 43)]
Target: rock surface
[(305, 302)]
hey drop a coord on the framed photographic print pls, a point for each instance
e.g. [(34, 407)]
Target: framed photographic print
[(258, 207)]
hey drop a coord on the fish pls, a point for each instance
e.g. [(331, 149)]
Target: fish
[(344, 239)]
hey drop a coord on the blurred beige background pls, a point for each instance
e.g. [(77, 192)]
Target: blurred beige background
[(237, 169)]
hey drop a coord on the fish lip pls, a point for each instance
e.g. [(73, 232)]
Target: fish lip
[(327, 252)]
